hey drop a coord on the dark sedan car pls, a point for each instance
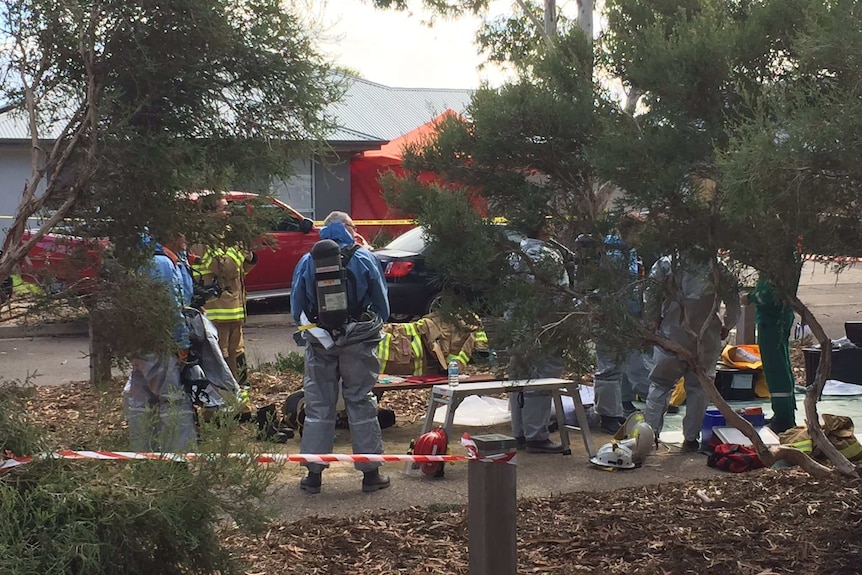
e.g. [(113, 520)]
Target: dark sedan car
[(414, 289), (412, 286)]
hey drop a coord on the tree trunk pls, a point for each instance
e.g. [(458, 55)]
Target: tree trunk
[(100, 350)]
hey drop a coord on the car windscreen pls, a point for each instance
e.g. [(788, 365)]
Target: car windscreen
[(410, 241)]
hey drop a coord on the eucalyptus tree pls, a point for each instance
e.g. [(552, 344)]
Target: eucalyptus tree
[(130, 107), (737, 138)]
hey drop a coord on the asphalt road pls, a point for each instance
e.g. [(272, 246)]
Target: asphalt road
[(833, 299)]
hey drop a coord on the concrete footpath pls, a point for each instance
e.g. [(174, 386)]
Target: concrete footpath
[(59, 353), (538, 476)]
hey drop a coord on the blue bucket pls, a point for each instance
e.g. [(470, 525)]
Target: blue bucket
[(712, 418)]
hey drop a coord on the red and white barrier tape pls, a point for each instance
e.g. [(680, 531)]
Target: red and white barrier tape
[(466, 441), (831, 259)]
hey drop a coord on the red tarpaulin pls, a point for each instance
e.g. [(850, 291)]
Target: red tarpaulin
[(366, 194)]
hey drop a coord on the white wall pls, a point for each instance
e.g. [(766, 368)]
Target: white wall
[(14, 173)]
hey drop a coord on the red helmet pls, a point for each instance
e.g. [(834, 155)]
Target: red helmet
[(435, 442)]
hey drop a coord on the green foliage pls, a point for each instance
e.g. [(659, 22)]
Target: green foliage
[(746, 139), (18, 433), (444, 7), (293, 362), (743, 141), (151, 103), (99, 517)]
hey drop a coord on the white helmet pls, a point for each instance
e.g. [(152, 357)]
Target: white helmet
[(614, 455), (641, 441), (626, 430)]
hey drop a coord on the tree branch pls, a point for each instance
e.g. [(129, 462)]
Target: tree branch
[(814, 391)]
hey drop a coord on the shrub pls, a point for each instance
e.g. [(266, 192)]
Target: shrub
[(106, 518)]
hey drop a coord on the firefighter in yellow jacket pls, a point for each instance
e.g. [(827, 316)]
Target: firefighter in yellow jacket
[(228, 266)]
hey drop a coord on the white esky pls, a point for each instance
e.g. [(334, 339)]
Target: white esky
[(399, 48)]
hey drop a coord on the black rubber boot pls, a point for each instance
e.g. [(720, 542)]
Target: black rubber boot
[(311, 482), (372, 481), (544, 446), (610, 424)]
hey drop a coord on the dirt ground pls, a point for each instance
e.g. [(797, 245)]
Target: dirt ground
[(759, 523)]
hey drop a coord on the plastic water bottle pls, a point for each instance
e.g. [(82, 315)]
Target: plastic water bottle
[(453, 373), (492, 360)]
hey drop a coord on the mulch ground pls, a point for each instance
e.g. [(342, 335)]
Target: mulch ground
[(82, 417), (761, 523)]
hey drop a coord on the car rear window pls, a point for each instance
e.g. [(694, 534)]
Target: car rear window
[(410, 241), (279, 219)]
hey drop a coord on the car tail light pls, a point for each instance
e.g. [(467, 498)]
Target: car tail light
[(398, 269)]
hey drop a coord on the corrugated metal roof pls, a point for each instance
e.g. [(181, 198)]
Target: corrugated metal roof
[(389, 112), (14, 125), (368, 112)]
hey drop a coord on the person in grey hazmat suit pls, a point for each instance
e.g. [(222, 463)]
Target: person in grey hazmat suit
[(531, 410), (345, 359), (620, 375), (160, 412), (681, 296)]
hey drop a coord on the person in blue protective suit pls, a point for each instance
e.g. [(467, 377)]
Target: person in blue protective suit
[(681, 301), (160, 412), (620, 374), (344, 359)]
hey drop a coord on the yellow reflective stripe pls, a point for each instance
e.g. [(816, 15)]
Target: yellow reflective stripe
[(418, 350), (852, 451), (481, 336), (804, 445), (229, 314), (461, 357), (383, 351), (19, 286), (201, 269), (212, 254)]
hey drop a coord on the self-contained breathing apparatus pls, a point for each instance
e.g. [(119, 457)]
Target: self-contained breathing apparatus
[(331, 276), (192, 376)]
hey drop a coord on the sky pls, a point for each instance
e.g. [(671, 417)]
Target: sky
[(397, 49)]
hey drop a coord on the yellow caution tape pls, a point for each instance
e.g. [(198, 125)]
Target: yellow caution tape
[(376, 222)]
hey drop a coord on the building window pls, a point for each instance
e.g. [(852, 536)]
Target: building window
[(298, 191)]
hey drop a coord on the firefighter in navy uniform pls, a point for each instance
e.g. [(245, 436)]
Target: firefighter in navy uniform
[(340, 309)]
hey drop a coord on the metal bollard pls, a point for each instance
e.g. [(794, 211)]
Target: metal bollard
[(492, 508)]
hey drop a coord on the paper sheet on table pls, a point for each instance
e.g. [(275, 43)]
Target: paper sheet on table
[(477, 411)]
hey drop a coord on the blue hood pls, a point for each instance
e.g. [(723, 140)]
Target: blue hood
[(337, 232)]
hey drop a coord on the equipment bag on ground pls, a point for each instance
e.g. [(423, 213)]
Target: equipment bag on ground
[(293, 412), (839, 431), (734, 458)]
